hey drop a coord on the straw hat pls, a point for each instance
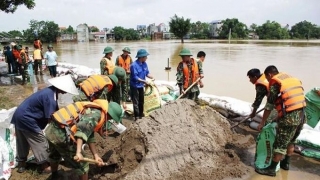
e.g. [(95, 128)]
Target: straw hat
[(64, 83)]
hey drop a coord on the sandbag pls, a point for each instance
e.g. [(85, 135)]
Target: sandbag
[(309, 138), (264, 146), (312, 114), (152, 99), (308, 152)]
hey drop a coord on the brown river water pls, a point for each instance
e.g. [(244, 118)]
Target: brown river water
[(225, 70)]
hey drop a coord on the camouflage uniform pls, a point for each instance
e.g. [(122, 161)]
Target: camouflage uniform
[(125, 84), (103, 64), (194, 92), (118, 93), (261, 92), (289, 125), (103, 94), (24, 60), (61, 146)]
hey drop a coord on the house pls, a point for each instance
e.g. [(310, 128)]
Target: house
[(163, 28), (152, 28), (102, 35), (214, 27), (83, 33)]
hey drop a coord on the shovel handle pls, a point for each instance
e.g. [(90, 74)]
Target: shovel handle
[(87, 160), (246, 119), (189, 88)]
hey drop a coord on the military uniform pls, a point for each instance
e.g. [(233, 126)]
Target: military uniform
[(24, 65), (289, 125), (118, 93), (126, 83), (103, 63), (60, 145), (194, 92), (83, 97)]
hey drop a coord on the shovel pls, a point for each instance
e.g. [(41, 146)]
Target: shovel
[(246, 119), (92, 161), (189, 88)]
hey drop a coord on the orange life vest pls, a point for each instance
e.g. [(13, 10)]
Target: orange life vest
[(263, 81), (68, 117), (16, 55), (124, 63), (291, 95), (37, 44), (95, 83), (194, 73), (23, 52), (110, 66)]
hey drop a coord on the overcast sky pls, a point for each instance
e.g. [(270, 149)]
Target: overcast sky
[(130, 13)]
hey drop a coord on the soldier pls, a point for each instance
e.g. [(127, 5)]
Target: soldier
[(119, 93), (188, 72), (124, 61), (106, 64), (287, 96), (24, 65), (66, 137)]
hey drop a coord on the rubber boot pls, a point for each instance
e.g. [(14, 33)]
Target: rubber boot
[(269, 171), (21, 167), (284, 164)]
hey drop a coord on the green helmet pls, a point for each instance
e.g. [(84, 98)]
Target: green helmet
[(120, 73), (107, 50), (19, 47), (50, 46), (127, 49), (115, 111), (185, 52), (113, 78)]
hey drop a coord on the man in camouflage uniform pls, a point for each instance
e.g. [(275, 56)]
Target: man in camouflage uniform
[(61, 146), (119, 93), (289, 125), (24, 65), (124, 61), (261, 91), (107, 61), (194, 92)]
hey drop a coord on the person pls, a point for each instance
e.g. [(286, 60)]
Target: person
[(188, 72), (23, 63), (96, 87), (31, 117), (51, 61), (107, 64), (66, 140), (139, 71), (16, 54), (37, 43), (287, 96), (37, 56), (119, 93), (124, 61), (10, 60), (201, 56), (262, 88)]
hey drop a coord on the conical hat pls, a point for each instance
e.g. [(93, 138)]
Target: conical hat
[(64, 83)]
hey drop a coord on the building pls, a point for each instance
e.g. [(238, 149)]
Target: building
[(163, 28), (214, 27), (152, 28), (82, 33)]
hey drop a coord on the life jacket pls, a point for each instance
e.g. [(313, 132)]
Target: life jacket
[(110, 66), (95, 83), (16, 55), (37, 44), (23, 52), (263, 81), (194, 73), (291, 95), (124, 63), (68, 117)]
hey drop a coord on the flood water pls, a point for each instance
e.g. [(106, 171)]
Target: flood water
[(225, 70)]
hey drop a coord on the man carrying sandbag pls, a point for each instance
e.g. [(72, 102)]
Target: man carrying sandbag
[(189, 73), (287, 95)]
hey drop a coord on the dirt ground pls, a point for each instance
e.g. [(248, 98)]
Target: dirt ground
[(182, 140)]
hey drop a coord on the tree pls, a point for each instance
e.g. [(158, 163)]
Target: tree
[(94, 29), (47, 31), (121, 33), (70, 30), (10, 6), (15, 33), (238, 29), (179, 26), (272, 30), (253, 27), (199, 30), (305, 30)]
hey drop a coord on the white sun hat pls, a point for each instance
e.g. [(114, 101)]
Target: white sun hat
[(64, 83)]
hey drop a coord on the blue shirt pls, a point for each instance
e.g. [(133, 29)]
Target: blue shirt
[(33, 113), (138, 70), (51, 57), (9, 55)]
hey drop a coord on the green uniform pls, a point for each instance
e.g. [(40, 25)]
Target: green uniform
[(25, 74), (261, 92), (103, 64), (289, 126), (194, 92), (59, 143), (126, 83), (118, 93), (103, 94)]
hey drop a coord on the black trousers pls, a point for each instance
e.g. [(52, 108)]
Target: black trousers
[(137, 97)]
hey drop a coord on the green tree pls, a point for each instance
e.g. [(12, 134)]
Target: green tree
[(238, 29), (179, 26), (199, 30), (253, 27), (70, 29), (94, 29), (272, 30), (15, 33), (10, 6), (305, 30), (119, 33), (47, 31)]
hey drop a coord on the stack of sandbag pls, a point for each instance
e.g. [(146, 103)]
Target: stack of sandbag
[(308, 142), (7, 143)]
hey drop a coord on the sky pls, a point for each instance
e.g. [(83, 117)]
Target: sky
[(130, 13)]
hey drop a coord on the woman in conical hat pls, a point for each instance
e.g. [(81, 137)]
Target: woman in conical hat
[(32, 116)]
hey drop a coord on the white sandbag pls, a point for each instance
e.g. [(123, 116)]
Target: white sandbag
[(6, 116), (309, 138)]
